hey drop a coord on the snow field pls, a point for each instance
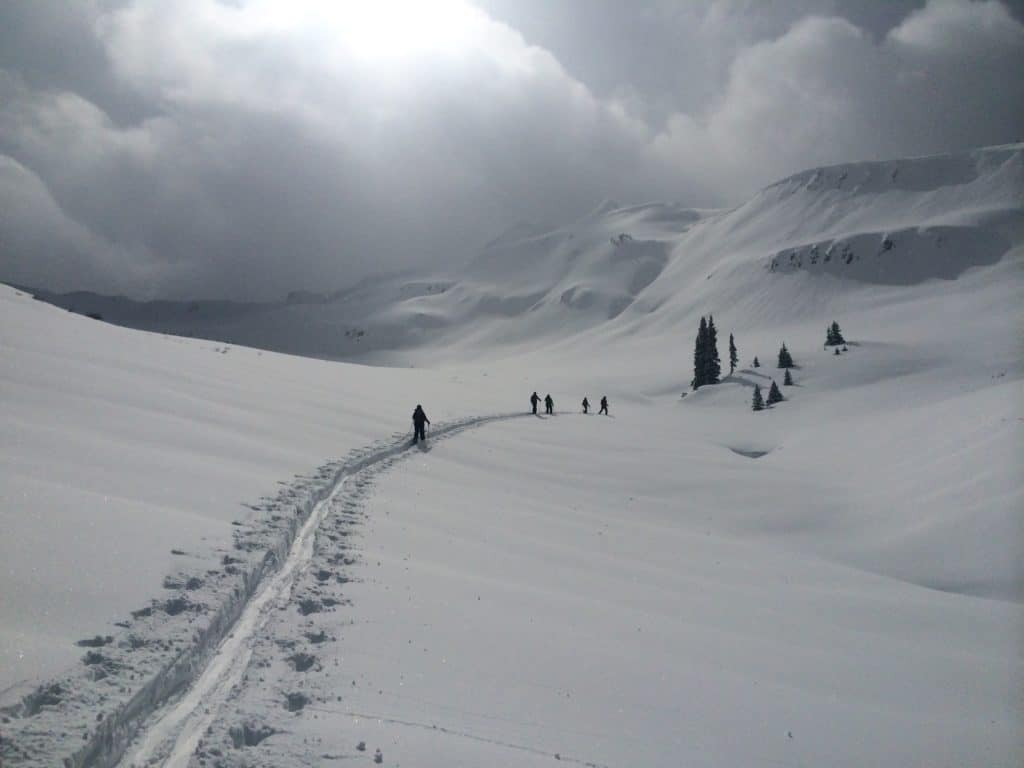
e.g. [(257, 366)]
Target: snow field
[(836, 580), (121, 446), (517, 595)]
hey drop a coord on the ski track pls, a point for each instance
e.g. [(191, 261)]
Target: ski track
[(173, 734), (465, 735)]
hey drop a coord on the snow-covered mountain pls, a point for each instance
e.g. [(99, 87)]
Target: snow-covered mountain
[(894, 223), (836, 580)]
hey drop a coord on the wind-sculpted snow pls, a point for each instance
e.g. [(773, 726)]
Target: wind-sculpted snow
[(88, 717)]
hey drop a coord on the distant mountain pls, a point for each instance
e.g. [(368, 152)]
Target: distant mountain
[(846, 228)]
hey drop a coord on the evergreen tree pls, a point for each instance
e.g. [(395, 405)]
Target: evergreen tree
[(757, 363), (788, 381), (785, 359), (774, 395), (834, 336), (733, 357), (758, 403), (837, 350), (700, 356), (712, 363)]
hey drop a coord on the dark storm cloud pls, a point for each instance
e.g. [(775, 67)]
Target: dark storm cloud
[(209, 148)]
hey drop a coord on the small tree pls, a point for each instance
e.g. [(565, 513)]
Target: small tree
[(733, 356), (758, 402), (774, 395), (837, 350), (700, 355), (757, 363), (785, 359), (707, 368), (788, 380), (712, 363), (834, 336)]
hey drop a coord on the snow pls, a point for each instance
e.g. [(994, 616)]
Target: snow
[(836, 580), (558, 610), (129, 445)]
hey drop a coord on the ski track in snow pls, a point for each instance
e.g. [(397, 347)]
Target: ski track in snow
[(172, 736), (462, 734)]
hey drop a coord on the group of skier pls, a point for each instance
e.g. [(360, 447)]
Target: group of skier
[(420, 420), (549, 404)]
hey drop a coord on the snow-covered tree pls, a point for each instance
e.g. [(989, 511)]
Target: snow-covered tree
[(758, 402), (785, 359), (733, 356), (757, 363), (774, 395)]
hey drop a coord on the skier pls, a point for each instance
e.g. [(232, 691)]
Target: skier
[(549, 404), (534, 399), (419, 418), (586, 405), (604, 406)]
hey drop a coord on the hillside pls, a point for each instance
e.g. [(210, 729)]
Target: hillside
[(853, 228), (835, 580)]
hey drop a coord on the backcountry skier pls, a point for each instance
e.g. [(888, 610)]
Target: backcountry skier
[(604, 405), (549, 404), (586, 405), (419, 418), (534, 399)]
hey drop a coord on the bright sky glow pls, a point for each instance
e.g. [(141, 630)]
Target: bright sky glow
[(386, 29)]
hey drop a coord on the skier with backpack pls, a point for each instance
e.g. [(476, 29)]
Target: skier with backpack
[(419, 419), (604, 406), (586, 405), (549, 405), (534, 399)]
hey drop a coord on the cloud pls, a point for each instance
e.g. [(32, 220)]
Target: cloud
[(202, 148), (826, 91)]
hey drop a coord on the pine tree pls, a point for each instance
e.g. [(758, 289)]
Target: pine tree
[(834, 336), (785, 359), (758, 403), (712, 363), (774, 395), (757, 363), (788, 381), (733, 357), (837, 350), (700, 356)]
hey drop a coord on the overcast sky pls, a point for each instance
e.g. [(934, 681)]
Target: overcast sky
[(206, 148)]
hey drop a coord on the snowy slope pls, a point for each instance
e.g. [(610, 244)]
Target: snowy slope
[(897, 223), (136, 444), (648, 592), (679, 610)]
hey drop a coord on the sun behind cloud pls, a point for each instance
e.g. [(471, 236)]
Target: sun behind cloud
[(385, 29)]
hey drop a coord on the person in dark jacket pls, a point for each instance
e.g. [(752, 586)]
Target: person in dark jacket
[(549, 404), (586, 405), (419, 418), (534, 399), (604, 405)]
